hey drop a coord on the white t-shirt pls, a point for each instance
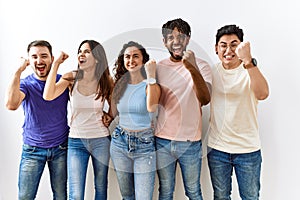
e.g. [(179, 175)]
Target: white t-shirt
[(233, 121)]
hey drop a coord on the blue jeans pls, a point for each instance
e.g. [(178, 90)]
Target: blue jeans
[(189, 157), (247, 168), (79, 152), (134, 158), (32, 165)]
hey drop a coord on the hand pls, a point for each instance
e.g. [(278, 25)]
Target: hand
[(243, 52), (106, 119), (150, 68), (61, 58), (189, 58), (23, 64)]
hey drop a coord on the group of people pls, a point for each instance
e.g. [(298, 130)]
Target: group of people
[(158, 106)]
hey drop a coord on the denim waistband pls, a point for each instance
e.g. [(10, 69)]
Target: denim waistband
[(136, 133)]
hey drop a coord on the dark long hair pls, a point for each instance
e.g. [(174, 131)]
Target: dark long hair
[(121, 73), (105, 82)]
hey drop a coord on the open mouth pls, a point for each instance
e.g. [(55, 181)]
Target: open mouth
[(229, 57), (82, 61), (177, 50), (41, 69)]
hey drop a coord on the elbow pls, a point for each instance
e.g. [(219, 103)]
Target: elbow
[(11, 107), (205, 100), (152, 108), (47, 98), (263, 96)]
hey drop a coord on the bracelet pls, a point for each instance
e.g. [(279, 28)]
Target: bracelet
[(151, 81)]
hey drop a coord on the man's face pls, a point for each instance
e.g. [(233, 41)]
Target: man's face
[(176, 43), (40, 60), (226, 50)]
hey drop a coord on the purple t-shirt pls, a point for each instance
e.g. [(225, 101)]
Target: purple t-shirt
[(46, 123)]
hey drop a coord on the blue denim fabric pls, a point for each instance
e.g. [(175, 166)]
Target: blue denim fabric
[(189, 156), (32, 165), (134, 158), (247, 168), (79, 153)]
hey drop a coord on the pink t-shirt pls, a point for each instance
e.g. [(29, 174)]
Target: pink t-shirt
[(179, 115)]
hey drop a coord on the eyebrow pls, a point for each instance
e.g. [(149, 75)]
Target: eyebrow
[(128, 54), (41, 54), (230, 42)]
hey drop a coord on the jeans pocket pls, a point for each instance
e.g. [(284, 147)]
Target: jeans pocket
[(63, 146), (28, 149), (116, 133)]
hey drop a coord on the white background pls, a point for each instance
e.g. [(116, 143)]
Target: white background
[(272, 27)]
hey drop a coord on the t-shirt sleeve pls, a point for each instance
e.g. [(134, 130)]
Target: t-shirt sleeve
[(23, 87), (205, 71)]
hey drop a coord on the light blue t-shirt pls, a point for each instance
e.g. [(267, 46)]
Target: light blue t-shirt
[(132, 108)]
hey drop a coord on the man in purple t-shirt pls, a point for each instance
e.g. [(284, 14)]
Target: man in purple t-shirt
[(45, 128)]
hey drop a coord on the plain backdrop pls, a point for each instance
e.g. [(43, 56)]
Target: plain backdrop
[(272, 27)]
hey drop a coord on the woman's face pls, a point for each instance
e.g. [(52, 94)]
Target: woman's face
[(85, 57), (133, 59)]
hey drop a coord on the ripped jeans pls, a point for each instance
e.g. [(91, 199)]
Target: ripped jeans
[(134, 158)]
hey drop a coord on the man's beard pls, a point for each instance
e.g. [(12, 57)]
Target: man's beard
[(178, 58)]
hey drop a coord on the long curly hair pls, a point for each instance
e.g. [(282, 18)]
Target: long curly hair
[(105, 82), (121, 73)]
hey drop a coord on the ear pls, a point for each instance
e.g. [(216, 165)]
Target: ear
[(165, 42), (216, 49), (188, 40)]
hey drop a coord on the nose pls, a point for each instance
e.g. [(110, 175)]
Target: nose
[(39, 60), (176, 39), (228, 49), (131, 59)]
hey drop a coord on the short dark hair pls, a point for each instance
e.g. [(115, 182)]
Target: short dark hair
[(42, 43), (178, 23), (229, 30)]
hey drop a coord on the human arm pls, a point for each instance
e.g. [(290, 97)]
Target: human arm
[(200, 87), (153, 91), (52, 88), (107, 114), (14, 95), (258, 83)]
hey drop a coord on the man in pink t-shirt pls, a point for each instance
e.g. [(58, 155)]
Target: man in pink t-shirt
[(185, 82)]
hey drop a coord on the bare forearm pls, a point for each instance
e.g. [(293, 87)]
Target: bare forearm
[(153, 95), (14, 96), (49, 90), (258, 84), (200, 86)]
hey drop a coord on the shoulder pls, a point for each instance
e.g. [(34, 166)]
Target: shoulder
[(202, 63), (68, 75)]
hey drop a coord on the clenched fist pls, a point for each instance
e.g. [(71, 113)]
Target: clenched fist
[(150, 68), (243, 52), (61, 58), (189, 58)]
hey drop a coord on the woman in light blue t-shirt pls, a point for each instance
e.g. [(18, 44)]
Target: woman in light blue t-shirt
[(134, 100)]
